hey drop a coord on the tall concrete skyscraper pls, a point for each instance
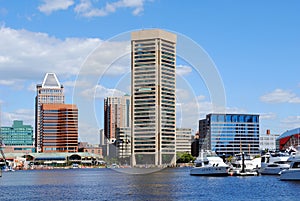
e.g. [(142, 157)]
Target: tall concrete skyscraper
[(153, 73), (50, 92)]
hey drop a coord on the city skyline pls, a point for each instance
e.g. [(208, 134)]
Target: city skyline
[(255, 51)]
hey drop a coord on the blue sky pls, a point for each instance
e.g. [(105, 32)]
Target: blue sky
[(255, 46)]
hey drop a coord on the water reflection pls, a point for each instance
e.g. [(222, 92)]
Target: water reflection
[(168, 184)]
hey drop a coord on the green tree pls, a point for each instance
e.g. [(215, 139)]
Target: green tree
[(184, 158)]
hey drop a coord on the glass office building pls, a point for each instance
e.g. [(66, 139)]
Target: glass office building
[(230, 134), (18, 137)]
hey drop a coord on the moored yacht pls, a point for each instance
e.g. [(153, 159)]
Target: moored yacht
[(293, 173), (246, 162), (244, 165), (273, 163), (209, 164)]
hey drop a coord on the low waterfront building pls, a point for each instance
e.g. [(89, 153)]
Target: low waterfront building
[(268, 142), (230, 134), (18, 137), (183, 140), (288, 139), (38, 160), (90, 148)]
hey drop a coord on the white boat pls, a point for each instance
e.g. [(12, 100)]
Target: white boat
[(209, 164), (274, 163), (249, 164), (293, 173), (8, 169), (75, 166), (244, 165)]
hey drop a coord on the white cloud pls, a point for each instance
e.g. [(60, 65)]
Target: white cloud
[(280, 96), (267, 116), (290, 122), (72, 84), (29, 55), (8, 82), (33, 54), (50, 6), (26, 115), (86, 8), (88, 133), (189, 112), (111, 58), (182, 94), (100, 92), (183, 70)]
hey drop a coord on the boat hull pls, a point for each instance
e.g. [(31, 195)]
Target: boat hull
[(239, 173), (209, 171), (290, 175), (272, 171)]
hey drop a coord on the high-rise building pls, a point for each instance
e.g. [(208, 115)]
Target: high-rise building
[(50, 92), (59, 128), (153, 73), (183, 140), (230, 134), (116, 115), (18, 137)]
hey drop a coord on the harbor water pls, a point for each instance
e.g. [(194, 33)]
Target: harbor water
[(167, 184)]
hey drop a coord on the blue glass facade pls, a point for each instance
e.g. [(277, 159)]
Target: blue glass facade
[(230, 134), (18, 136)]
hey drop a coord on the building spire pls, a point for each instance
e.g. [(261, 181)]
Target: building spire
[(51, 81)]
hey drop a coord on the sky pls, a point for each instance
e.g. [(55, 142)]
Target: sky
[(242, 54)]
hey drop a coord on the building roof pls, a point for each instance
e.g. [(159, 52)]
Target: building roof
[(289, 133), (51, 81), (52, 156), (58, 106), (152, 34)]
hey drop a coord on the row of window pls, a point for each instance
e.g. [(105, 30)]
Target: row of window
[(50, 91), (234, 118)]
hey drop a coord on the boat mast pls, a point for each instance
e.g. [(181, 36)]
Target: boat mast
[(1, 140)]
